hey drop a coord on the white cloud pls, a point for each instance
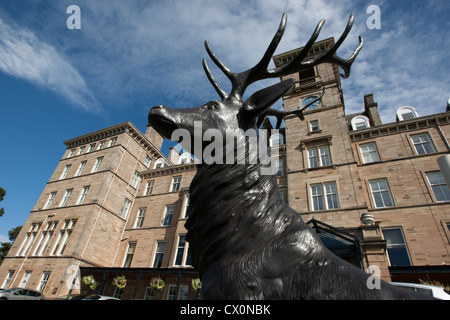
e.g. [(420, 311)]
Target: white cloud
[(4, 238), (24, 56)]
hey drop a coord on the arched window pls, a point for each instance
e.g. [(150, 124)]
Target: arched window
[(160, 163), (406, 113), (360, 122), (185, 158), (276, 139)]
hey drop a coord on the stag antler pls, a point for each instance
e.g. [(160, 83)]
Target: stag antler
[(240, 81)]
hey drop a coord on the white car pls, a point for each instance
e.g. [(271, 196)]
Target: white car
[(20, 294), (99, 297), (436, 292)]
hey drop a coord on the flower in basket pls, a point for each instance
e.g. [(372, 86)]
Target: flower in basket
[(90, 282), (120, 282), (157, 283), (196, 284)]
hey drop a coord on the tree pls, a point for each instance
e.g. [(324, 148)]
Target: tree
[(5, 246), (2, 196)]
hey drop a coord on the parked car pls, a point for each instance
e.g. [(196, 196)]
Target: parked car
[(436, 292), (73, 297), (20, 294), (99, 297)]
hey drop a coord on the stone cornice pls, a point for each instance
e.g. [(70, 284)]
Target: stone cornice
[(112, 131)]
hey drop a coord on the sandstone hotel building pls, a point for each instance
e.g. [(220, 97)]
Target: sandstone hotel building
[(116, 206)]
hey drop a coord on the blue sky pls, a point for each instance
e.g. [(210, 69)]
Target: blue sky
[(56, 83)]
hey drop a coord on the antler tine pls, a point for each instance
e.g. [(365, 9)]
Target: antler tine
[(219, 63), (297, 63), (330, 54), (213, 81)]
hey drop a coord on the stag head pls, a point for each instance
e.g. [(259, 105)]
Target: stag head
[(231, 112)]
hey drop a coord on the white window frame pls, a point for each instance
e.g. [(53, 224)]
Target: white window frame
[(81, 150), (314, 126), (81, 168), (183, 250), (112, 142), (369, 152), (406, 110), (66, 197), (149, 188), (424, 140), (50, 199), (176, 184), (324, 198), (319, 156), (135, 179), (440, 184), (97, 164), (65, 172), (125, 208), (91, 147), (159, 252), (8, 279), (147, 161), (358, 120), (168, 215), (383, 190), (44, 280), (101, 145), (83, 194), (140, 218)]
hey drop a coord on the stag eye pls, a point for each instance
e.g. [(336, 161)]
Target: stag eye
[(212, 106)]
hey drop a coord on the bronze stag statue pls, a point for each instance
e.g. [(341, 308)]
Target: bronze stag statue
[(244, 240)]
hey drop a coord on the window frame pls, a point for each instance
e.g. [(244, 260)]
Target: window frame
[(389, 192), (442, 182), (370, 153), (319, 156), (421, 143), (320, 201), (389, 245)]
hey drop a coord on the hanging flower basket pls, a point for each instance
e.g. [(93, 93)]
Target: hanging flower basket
[(157, 283), (120, 282), (90, 282), (196, 284)]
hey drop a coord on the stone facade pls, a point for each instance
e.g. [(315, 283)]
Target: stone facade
[(115, 205)]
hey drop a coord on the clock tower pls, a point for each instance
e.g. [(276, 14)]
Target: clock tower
[(318, 149)]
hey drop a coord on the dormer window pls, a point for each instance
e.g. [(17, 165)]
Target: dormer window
[(360, 122), (406, 113)]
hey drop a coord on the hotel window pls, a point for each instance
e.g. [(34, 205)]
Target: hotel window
[(66, 170), (279, 166), (360, 122), (66, 197), (147, 161), (50, 200), (406, 113), (140, 218), (422, 143), (159, 254), (46, 236), (80, 168), (439, 186), (81, 150), (324, 196), (63, 237), (8, 279), (319, 156), (129, 255), (314, 126), (97, 164), (44, 280), (134, 179), (72, 152), (176, 183), (83, 194), (167, 219), (91, 147), (149, 188), (182, 257), (369, 153), (186, 207), (101, 145), (149, 293), (31, 235), (125, 208), (396, 247), (112, 142), (276, 139), (381, 194)]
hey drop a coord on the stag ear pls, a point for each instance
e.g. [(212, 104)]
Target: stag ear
[(263, 99)]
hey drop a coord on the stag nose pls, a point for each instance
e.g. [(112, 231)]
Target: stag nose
[(160, 106)]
